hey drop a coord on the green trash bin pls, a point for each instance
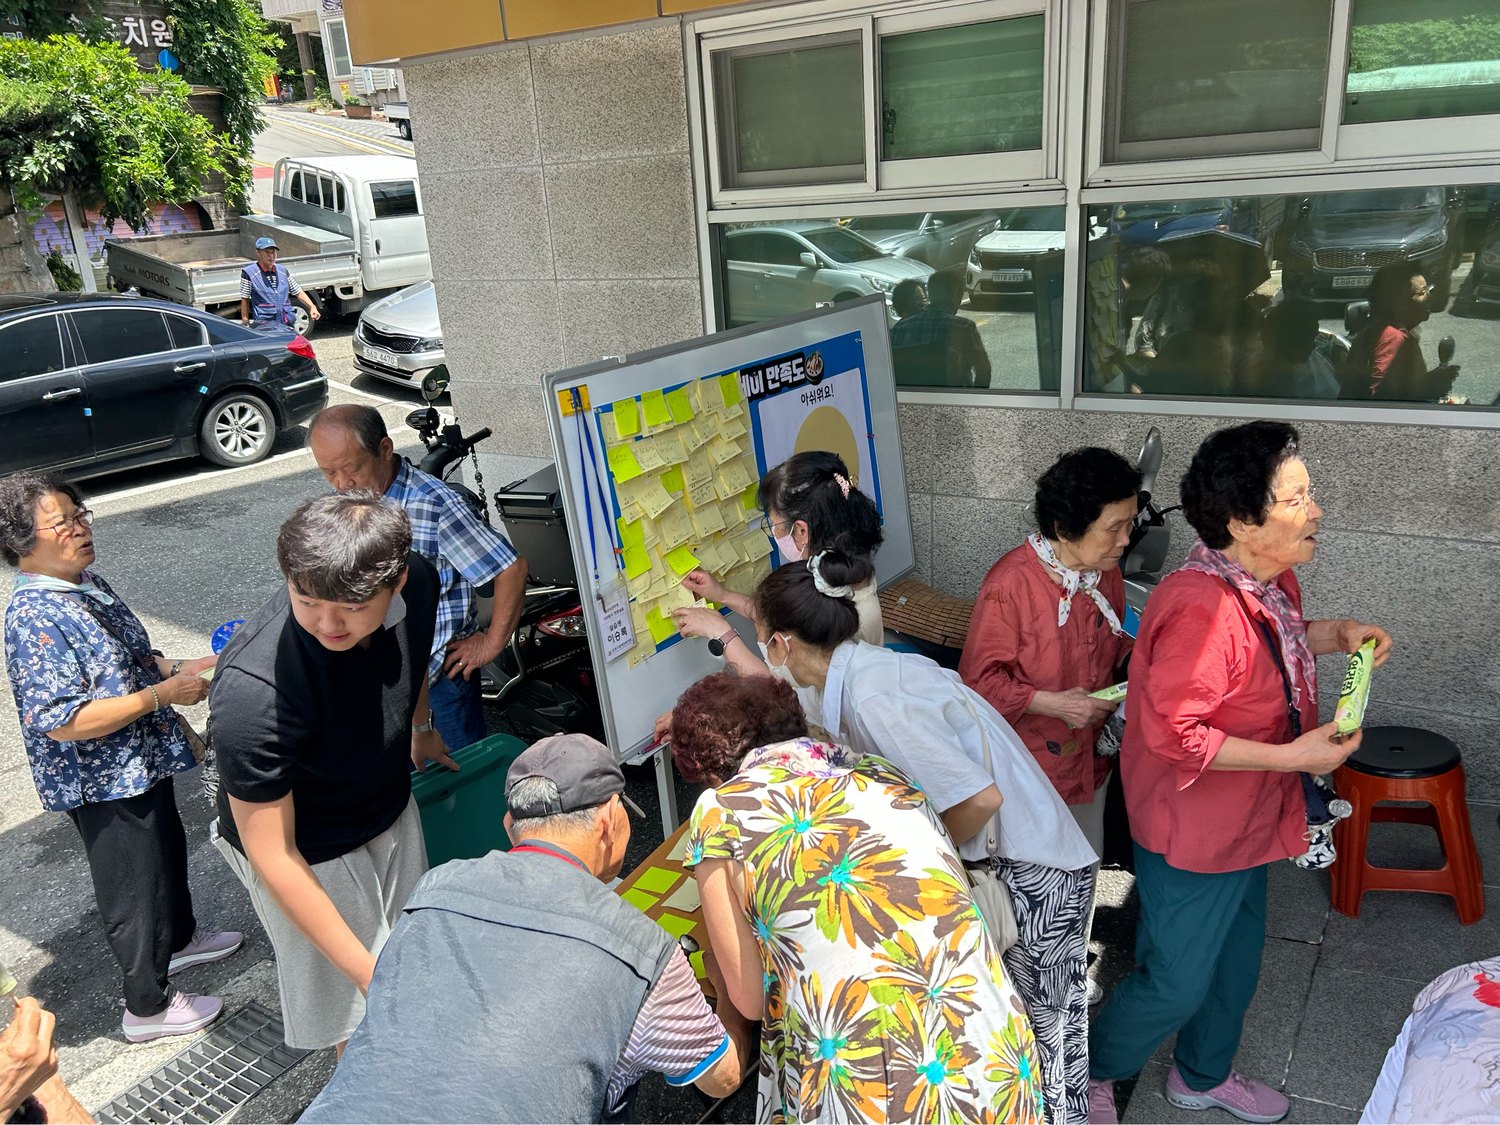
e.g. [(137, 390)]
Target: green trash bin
[(463, 813)]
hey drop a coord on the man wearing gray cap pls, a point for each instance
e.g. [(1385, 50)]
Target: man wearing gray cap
[(267, 290), (518, 987)]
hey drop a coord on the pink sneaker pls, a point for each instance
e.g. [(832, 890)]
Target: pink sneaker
[(184, 1014), (1245, 1098), (207, 945), (1102, 1103)]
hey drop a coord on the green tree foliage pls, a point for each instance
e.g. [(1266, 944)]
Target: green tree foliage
[(83, 118), (227, 43), (1415, 40)]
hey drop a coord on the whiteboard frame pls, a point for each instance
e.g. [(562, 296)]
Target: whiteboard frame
[(631, 375)]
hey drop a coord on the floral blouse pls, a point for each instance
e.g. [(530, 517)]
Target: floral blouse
[(885, 999), (59, 657)]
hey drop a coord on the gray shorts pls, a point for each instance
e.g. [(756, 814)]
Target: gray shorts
[(320, 1006)]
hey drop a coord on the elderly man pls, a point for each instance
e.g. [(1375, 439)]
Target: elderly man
[(353, 450), (267, 290), (544, 995), (319, 711)]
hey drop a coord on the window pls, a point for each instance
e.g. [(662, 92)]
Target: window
[(185, 331), (957, 91), (1440, 58), (791, 113), (295, 190), (340, 61), (972, 303), (1349, 295), (1215, 77), (393, 198), (31, 347), (114, 334)]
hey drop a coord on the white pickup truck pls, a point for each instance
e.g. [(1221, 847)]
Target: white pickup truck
[(400, 113), (349, 228)]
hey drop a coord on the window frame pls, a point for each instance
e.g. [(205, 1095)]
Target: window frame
[(343, 35), (416, 195), (63, 351)]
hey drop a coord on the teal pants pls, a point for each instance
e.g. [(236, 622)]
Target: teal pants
[(1197, 962)]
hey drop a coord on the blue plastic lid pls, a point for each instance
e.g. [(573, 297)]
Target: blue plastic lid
[(223, 633)]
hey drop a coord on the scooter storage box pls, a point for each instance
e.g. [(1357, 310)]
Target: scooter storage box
[(463, 812), (532, 511)]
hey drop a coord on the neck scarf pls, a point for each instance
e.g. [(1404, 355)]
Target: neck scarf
[(1074, 582), (1291, 630), (26, 578), (805, 756)]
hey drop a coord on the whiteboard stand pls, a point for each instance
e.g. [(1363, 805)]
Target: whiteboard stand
[(666, 787)]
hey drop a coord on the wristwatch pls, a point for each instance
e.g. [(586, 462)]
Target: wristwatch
[(718, 644), (423, 728)]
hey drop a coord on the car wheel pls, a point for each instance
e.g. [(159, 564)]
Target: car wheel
[(238, 429), (404, 128), (302, 321)]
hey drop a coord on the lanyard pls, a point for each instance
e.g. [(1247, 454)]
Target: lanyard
[(547, 851), (591, 494), (1294, 716)]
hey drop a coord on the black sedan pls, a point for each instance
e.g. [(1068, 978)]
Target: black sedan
[(91, 383)]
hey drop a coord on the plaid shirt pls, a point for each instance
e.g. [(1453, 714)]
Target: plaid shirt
[(466, 552)]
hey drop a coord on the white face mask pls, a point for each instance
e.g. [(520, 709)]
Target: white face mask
[(778, 671), (787, 545)]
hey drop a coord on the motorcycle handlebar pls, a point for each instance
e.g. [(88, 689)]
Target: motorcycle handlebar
[(476, 438)]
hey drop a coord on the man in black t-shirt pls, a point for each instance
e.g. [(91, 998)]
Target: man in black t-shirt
[(319, 710)]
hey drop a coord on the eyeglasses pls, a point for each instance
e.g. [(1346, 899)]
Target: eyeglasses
[(1299, 502), (769, 526), (70, 525)]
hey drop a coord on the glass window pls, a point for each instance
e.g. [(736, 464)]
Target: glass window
[(338, 49), (1212, 77), (791, 113), (393, 198), (295, 190), (185, 331), (1440, 58), (954, 91), (1384, 295), (971, 305), (113, 334), (31, 347)]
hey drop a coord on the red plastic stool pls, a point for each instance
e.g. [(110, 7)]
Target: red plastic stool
[(1406, 764)]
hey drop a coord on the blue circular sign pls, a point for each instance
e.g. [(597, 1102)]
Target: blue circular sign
[(223, 633), (167, 60)]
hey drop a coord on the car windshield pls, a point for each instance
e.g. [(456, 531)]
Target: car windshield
[(1035, 218), (1168, 208), (886, 223), (843, 246), (1389, 199)]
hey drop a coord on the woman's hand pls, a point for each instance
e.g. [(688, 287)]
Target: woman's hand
[(1076, 707), (695, 621), (1351, 634), (662, 730), (704, 585), (182, 690), (201, 665), (1317, 752)]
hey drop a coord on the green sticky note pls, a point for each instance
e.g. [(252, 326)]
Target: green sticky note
[(682, 560), (654, 409), (632, 532), (749, 500), (729, 388), (627, 418), (622, 464), (661, 625), (671, 480), (658, 880), (637, 561), (638, 899), (675, 925), (678, 404)]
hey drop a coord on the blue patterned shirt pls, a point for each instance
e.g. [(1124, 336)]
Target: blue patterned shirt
[(59, 658), (466, 551)]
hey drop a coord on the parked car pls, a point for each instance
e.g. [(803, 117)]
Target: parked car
[(1341, 238), (1145, 224), (1482, 289), (400, 113), (398, 338), (1002, 260), (97, 382), (941, 239), (778, 271)]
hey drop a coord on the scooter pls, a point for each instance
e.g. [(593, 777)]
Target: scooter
[(1150, 537), (544, 677)]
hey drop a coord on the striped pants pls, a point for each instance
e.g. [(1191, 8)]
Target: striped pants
[(1048, 966)]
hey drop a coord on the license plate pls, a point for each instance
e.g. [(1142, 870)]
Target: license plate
[(380, 355), (1352, 280), (1012, 275)]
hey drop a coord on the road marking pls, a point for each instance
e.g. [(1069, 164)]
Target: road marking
[(178, 482), (372, 145)]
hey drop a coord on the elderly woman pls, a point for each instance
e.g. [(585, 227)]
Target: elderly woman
[(967, 760), (840, 917), (1223, 719), (1385, 360), (97, 720), (1046, 630)]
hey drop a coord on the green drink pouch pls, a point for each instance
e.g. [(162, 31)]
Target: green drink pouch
[(1355, 695), (1113, 694)]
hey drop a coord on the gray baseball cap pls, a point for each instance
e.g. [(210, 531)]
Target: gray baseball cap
[(583, 769)]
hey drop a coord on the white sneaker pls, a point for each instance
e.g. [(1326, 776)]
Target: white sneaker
[(184, 1014)]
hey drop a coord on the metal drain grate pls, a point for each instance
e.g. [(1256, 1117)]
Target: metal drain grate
[(240, 1057)]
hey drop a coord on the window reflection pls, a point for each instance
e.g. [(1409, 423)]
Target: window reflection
[(1378, 295), (1412, 61)]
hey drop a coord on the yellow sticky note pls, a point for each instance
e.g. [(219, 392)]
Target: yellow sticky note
[(749, 500), (676, 597), (682, 560), (654, 409), (648, 456), (756, 546), (640, 587), (671, 447), (679, 406), (638, 899), (675, 925), (622, 464), (658, 880), (729, 388), (642, 650), (660, 625), (607, 430), (653, 498), (707, 520), (671, 480), (674, 529), (637, 561), (711, 556), (627, 419), (734, 514), (734, 477), (732, 427), (723, 449), (696, 434)]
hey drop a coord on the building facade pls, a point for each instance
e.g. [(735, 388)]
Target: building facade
[(1121, 189)]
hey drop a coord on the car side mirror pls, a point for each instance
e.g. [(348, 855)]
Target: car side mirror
[(808, 258), (435, 383), (938, 223)]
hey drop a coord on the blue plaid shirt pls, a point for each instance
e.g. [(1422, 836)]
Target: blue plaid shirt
[(466, 551)]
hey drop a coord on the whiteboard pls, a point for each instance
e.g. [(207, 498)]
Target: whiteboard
[(820, 380)]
